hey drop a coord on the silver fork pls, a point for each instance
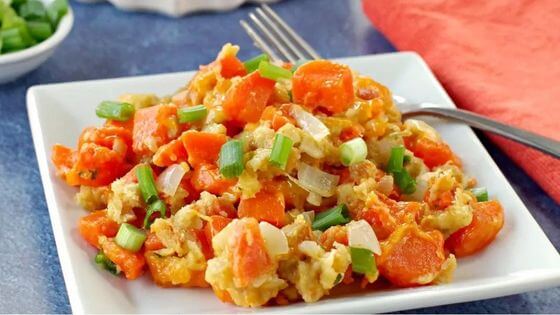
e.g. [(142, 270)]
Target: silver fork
[(282, 42)]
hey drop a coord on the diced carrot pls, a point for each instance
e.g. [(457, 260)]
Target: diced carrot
[(349, 133), (276, 117), (202, 147), (380, 219), (153, 242), (214, 226), (245, 101), (488, 220), (207, 177), (186, 184), (130, 176), (170, 153), (63, 159), (324, 84), (333, 234), (444, 200), (205, 245), (348, 279), (171, 271), (132, 264), (97, 224), (107, 136), (433, 153), (411, 256), (153, 127), (267, 205), (250, 258), (231, 66), (96, 166)]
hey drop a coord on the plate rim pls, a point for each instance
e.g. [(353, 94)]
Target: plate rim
[(541, 278)]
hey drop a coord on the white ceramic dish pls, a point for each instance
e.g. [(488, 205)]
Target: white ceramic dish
[(520, 259), (14, 65), (177, 8)]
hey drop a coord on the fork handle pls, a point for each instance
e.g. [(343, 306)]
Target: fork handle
[(531, 139)]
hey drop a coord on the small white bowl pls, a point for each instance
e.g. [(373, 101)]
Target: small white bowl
[(13, 65)]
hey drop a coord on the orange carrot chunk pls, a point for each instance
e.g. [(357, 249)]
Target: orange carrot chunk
[(250, 258), (132, 264), (202, 147), (432, 152), (97, 166), (411, 256), (97, 224), (267, 205), (153, 127), (231, 66), (325, 84), (207, 177), (63, 159), (488, 220), (245, 101), (170, 153), (153, 242)]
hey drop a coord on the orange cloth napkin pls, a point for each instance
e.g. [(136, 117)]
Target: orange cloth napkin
[(499, 58)]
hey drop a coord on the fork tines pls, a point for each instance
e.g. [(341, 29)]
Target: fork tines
[(281, 41)]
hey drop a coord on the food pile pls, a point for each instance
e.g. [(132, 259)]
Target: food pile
[(274, 183)]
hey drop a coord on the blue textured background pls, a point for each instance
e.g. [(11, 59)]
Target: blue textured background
[(108, 43)]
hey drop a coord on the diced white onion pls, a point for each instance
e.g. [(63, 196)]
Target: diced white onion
[(309, 123), (310, 248), (360, 234), (309, 215), (168, 181), (385, 184), (314, 199), (314, 180), (311, 147), (422, 128), (421, 188), (274, 239)]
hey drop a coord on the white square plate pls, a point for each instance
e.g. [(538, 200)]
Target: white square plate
[(521, 258)]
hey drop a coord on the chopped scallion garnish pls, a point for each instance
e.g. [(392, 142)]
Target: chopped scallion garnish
[(147, 183), (231, 159), (335, 216), (396, 160), (33, 10), (253, 63), (102, 261), (363, 261), (40, 30), (353, 151), (155, 207), (406, 183), (480, 193), (115, 110), (192, 113), (281, 150), (129, 237), (270, 71)]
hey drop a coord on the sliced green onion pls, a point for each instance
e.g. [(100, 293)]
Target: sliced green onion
[(353, 151), (56, 10), (231, 159), (253, 63), (335, 216), (146, 183), (396, 160), (115, 110), (270, 71), (338, 278), (192, 113), (129, 237), (363, 261), (480, 193), (39, 30), (33, 10), (281, 150), (156, 206), (406, 183), (298, 64), (102, 261)]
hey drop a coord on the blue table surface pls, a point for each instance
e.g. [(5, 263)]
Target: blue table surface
[(108, 43)]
